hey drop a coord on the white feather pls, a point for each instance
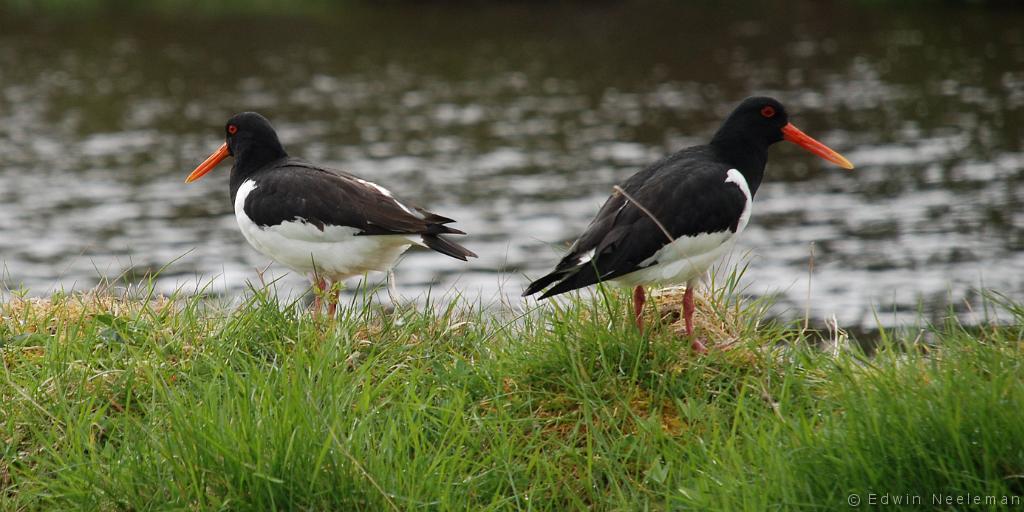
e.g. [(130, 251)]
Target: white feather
[(586, 257), (735, 176), (387, 193)]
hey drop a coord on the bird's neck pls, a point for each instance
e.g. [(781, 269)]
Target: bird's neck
[(747, 155), (235, 182), (251, 161), (253, 157)]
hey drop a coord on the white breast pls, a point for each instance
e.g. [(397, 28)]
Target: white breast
[(735, 176), (336, 252)]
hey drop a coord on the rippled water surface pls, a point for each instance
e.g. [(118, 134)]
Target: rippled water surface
[(517, 120)]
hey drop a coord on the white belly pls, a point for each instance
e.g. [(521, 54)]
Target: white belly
[(336, 252), (681, 261)]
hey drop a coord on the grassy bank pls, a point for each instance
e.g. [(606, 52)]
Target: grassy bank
[(141, 403)]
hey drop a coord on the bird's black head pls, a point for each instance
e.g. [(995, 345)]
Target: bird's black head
[(758, 120), (250, 135), (250, 139)]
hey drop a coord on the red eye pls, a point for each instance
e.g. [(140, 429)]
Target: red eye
[(232, 129), (768, 111)]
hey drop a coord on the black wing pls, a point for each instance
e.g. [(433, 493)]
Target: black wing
[(686, 192), (298, 191)]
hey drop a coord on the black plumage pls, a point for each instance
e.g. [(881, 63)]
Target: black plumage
[(671, 220), (686, 192)]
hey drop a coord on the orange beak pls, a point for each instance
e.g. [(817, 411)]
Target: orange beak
[(794, 135), (208, 164)]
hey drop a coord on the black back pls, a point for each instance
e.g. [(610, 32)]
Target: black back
[(292, 189)]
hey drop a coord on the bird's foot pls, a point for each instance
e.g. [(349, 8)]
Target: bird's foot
[(699, 345)]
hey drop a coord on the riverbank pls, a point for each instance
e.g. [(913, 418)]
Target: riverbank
[(133, 401)]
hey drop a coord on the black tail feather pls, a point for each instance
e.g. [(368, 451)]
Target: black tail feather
[(565, 280), (582, 277), (433, 217), (437, 227), (447, 247), (543, 282)]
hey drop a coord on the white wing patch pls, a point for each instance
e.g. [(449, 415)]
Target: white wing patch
[(387, 193), (586, 257), (379, 188)]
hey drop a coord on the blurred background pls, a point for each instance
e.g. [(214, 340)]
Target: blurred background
[(517, 118)]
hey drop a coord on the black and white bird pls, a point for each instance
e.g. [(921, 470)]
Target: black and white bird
[(326, 224), (668, 223)]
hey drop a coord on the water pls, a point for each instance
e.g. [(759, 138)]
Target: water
[(517, 120)]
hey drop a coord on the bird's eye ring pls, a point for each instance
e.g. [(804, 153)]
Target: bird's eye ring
[(232, 129), (768, 111)]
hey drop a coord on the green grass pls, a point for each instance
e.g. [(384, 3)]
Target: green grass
[(140, 403)]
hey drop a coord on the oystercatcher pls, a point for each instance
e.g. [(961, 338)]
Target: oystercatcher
[(671, 221), (324, 223)]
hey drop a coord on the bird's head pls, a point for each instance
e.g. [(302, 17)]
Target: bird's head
[(764, 121), (249, 138)]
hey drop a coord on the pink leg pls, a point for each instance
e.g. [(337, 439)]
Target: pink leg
[(688, 308), (332, 301), (638, 307), (318, 290)]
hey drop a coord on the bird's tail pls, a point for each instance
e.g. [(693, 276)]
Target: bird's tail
[(543, 282), (564, 279), (447, 247)]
